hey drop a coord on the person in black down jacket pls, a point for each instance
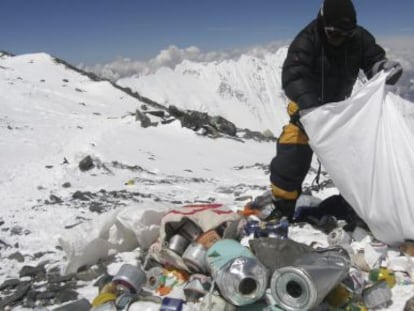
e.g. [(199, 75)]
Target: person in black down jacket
[(321, 66)]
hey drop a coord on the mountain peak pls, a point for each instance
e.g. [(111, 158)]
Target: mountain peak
[(246, 91)]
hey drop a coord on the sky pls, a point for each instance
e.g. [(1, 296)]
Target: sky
[(98, 31)]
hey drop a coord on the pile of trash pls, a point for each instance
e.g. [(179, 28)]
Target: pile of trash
[(209, 257)]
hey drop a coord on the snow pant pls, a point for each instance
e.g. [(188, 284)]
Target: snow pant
[(293, 159)]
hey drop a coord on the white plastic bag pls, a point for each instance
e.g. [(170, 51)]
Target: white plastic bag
[(366, 144), (121, 230)]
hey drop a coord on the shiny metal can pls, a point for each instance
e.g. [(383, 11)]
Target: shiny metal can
[(194, 257), (129, 278), (178, 244)]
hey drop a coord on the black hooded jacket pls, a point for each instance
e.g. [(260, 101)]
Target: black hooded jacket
[(316, 72)]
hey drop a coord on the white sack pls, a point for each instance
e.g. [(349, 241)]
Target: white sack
[(366, 144), (119, 231)]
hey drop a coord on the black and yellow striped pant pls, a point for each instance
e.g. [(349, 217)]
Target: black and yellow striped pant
[(293, 158)]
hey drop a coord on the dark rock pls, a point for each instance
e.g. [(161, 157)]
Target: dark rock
[(83, 196), (224, 125), (86, 163), (66, 295), (31, 297), (46, 295), (10, 284), (144, 119), (57, 287), (248, 134), (56, 278), (37, 272), (168, 121), (209, 130), (194, 119), (157, 113), (66, 185), (16, 230), (176, 112), (16, 256), (6, 245), (53, 199), (88, 275), (38, 255), (79, 305), (19, 294), (97, 207)]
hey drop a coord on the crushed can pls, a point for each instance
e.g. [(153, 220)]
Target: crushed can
[(309, 280), (271, 229), (377, 295), (241, 278), (339, 236), (197, 287), (124, 300), (278, 230), (355, 281), (155, 278), (263, 204)]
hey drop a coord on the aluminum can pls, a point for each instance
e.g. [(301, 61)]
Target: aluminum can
[(130, 278)]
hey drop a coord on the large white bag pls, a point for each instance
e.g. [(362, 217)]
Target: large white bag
[(366, 144)]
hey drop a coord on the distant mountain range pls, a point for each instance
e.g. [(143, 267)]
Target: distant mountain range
[(246, 91)]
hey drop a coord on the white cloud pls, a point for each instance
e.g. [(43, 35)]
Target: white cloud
[(172, 56), (398, 48)]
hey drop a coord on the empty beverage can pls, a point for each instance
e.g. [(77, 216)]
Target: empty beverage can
[(178, 244), (129, 278), (241, 278)]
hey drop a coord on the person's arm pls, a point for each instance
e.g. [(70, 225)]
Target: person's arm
[(297, 72), (374, 60)]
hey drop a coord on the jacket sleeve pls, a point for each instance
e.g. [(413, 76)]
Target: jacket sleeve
[(297, 72), (371, 51)]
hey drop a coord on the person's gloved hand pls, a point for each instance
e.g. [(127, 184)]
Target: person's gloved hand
[(392, 68)]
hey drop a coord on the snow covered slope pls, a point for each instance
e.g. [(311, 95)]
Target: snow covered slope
[(247, 91), (51, 117)]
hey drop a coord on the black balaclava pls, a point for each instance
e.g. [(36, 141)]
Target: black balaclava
[(339, 13)]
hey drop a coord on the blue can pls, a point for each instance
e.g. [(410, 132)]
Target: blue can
[(172, 304), (274, 229)]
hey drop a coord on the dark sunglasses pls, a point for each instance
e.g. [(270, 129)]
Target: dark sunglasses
[(334, 32)]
